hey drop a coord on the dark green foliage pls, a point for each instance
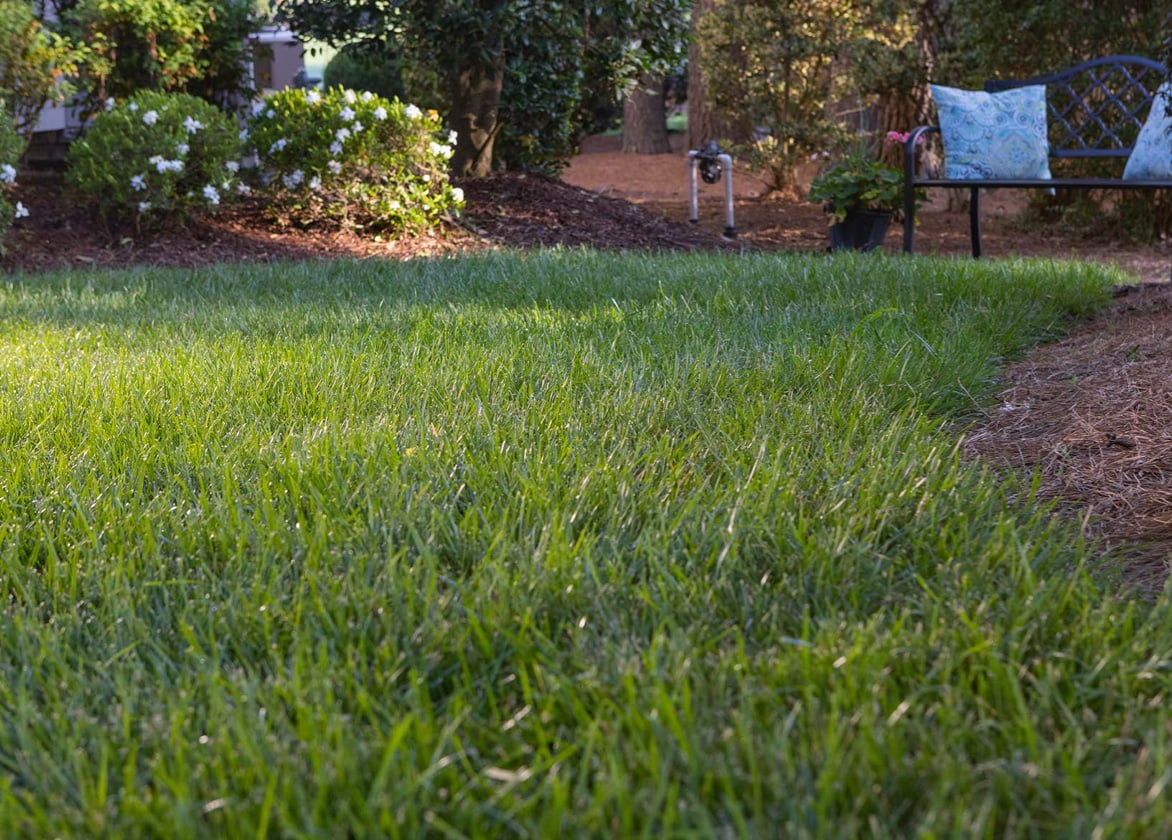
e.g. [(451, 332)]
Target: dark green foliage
[(225, 57), (540, 112), (32, 64), (190, 46), (1168, 40), (375, 67), (549, 58), (1006, 38)]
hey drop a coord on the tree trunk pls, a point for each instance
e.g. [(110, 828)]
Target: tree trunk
[(476, 97), (899, 113), (645, 119), (704, 121)]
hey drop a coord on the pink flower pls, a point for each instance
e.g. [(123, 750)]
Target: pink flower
[(896, 137)]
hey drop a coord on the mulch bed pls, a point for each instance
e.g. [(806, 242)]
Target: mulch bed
[(1092, 416), (516, 211)]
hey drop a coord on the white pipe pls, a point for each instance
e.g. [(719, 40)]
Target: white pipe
[(693, 187), (730, 227)]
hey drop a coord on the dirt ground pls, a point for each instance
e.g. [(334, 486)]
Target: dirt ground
[(1092, 415), (659, 184)]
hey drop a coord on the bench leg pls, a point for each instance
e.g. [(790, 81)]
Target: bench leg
[(909, 216), (975, 220)]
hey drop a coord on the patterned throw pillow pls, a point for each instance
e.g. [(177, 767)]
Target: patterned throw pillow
[(993, 135), (1151, 159)]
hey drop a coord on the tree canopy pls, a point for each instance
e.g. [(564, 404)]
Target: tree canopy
[(508, 70)]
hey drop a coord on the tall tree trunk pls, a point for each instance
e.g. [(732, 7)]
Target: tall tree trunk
[(901, 111), (704, 121), (476, 98), (905, 110), (645, 118)]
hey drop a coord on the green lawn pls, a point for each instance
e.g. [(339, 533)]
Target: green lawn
[(551, 545)]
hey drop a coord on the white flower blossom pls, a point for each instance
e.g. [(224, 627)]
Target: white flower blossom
[(243, 188), (452, 137), (164, 165), (357, 126), (334, 166), (367, 96), (243, 134), (315, 183), (440, 150), (335, 148), (150, 117), (211, 194), (192, 125), (8, 173), (21, 211), (278, 145), (143, 206), (312, 97), (133, 106), (110, 104), (257, 107), (347, 114), (182, 149), (394, 204), (349, 96), (342, 134), (232, 166), (293, 179), (380, 113), (270, 113), (138, 182), (411, 112), (457, 195)]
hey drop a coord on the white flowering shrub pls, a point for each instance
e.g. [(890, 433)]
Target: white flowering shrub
[(355, 159), (156, 158), (11, 148)]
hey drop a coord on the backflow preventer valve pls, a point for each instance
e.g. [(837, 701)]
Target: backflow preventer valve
[(711, 163)]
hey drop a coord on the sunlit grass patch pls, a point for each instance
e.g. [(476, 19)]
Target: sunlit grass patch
[(563, 543)]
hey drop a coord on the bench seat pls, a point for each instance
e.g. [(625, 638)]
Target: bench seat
[(1094, 110)]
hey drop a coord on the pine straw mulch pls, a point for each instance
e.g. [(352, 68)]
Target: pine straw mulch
[(1092, 414)]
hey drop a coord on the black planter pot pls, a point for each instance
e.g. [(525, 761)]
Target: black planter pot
[(861, 230)]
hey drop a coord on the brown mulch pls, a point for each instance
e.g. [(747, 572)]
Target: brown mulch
[(1091, 414), (521, 211)]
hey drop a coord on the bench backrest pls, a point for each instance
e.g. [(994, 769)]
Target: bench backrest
[(1096, 108)]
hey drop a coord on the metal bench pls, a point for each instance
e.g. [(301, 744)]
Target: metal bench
[(1095, 110)]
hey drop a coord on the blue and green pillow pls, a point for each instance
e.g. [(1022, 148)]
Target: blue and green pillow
[(993, 135), (1151, 159)]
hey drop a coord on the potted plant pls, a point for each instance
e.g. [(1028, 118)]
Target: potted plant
[(862, 195)]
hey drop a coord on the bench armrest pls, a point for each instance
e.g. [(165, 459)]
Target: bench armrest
[(914, 138)]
